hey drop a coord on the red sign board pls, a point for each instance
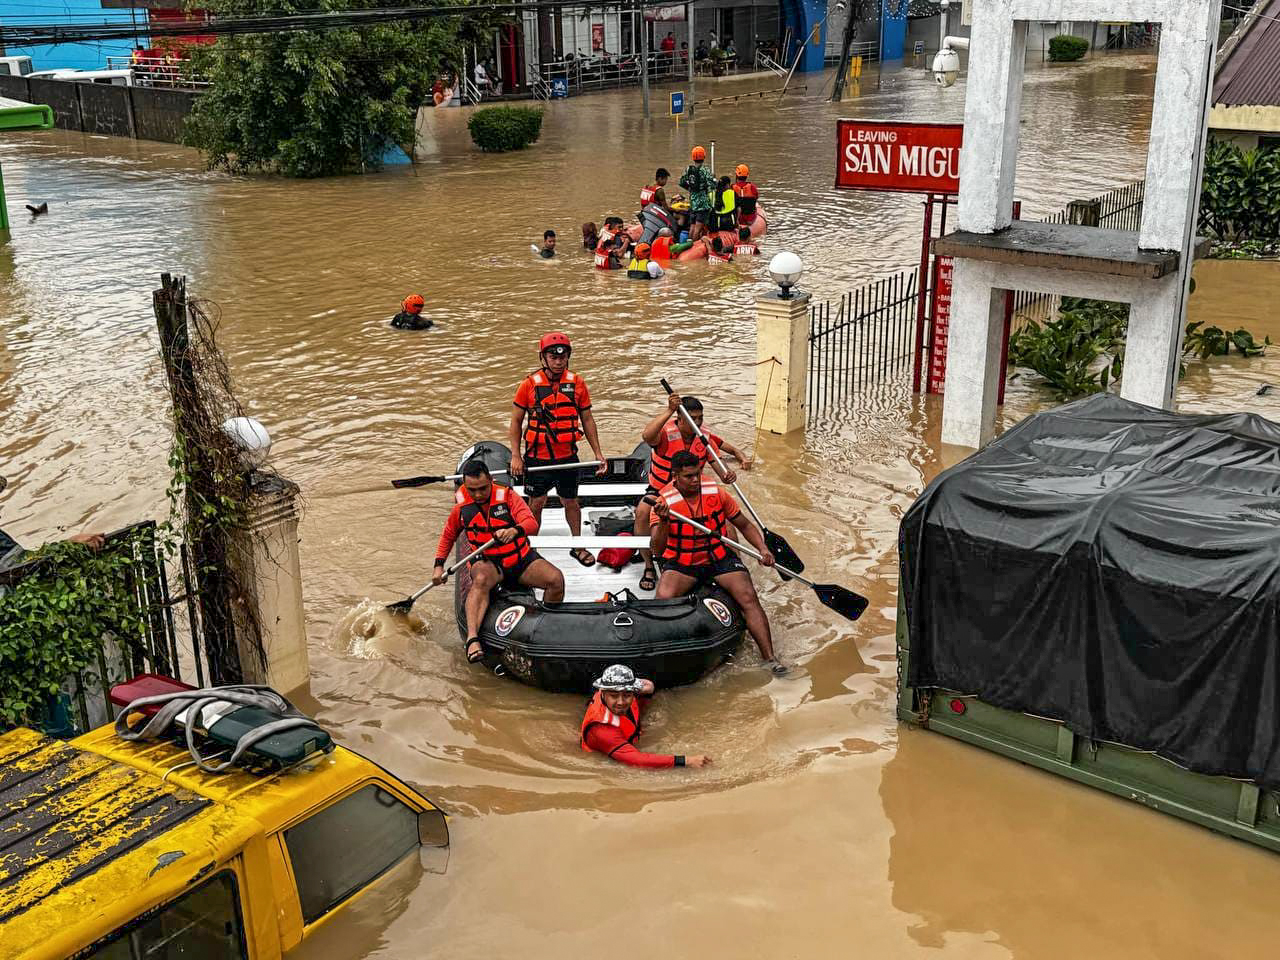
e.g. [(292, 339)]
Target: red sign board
[(900, 156), (941, 323)]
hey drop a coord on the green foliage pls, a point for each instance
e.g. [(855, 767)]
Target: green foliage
[(1081, 350), (54, 620), (498, 129), (1240, 199), (318, 103), (1206, 342), (1064, 48)]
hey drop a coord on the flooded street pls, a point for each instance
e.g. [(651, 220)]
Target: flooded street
[(824, 828)]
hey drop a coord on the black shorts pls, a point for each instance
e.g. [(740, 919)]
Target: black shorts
[(565, 481), (700, 216), (511, 575), (707, 571)]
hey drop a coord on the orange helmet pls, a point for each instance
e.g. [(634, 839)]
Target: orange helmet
[(412, 303), (741, 170), (642, 249), (554, 339), (699, 153)]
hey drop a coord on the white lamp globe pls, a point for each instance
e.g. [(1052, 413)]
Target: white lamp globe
[(785, 269), (252, 439)]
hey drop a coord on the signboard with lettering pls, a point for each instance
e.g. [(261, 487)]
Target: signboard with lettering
[(677, 102), (941, 323), (898, 155)]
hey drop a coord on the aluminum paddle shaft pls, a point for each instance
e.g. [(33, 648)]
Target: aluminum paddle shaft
[(405, 605)]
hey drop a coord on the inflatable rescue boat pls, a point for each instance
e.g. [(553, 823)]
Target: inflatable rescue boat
[(605, 617), (699, 250)]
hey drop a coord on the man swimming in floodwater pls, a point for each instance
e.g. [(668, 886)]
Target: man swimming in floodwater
[(410, 316), (612, 722)]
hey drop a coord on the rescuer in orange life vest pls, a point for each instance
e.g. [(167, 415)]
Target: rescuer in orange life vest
[(669, 433), (612, 722), (483, 510), (747, 194), (690, 557), (660, 179), (551, 411)]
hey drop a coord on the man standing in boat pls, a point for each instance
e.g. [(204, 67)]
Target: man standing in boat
[(690, 557), (551, 411), (668, 434), (612, 722), (701, 184), (485, 510)]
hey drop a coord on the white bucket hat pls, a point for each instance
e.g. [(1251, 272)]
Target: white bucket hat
[(620, 679)]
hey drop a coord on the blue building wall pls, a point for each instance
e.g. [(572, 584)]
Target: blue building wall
[(83, 56), (893, 30), (801, 16)]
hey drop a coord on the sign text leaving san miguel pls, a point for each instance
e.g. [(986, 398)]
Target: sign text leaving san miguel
[(899, 156)]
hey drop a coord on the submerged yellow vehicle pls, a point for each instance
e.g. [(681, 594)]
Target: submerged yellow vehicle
[(118, 851)]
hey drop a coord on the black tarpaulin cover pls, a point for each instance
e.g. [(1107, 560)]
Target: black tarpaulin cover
[(1115, 567)]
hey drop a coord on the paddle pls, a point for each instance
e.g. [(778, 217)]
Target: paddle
[(843, 601), (405, 605), (776, 544), (423, 481)]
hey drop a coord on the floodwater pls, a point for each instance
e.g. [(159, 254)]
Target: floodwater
[(824, 828)]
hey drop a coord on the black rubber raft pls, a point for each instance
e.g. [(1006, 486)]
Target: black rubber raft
[(563, 647)]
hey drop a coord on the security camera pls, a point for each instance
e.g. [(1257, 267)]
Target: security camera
[(946, 67)]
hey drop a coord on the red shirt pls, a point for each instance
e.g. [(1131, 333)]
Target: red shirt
[(668, 44), (611, 742), (520, 513)]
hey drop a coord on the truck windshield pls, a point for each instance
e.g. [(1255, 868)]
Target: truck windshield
[(339, 850), (204, 924)]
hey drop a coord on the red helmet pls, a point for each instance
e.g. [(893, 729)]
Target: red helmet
[(554, 339), (413, 303)]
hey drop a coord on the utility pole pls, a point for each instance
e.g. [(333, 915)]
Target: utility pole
[(644, 62)]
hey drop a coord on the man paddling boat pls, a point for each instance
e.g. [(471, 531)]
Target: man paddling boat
[(551, 411), (612, 722), (668, 433), (690, 557), (486, 511)]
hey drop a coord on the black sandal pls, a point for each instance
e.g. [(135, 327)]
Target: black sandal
[(583, 556), (649, 579), (478, 655)]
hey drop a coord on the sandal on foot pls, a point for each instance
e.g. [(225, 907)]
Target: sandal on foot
[(649, 579), (583, 556), (476, 655)]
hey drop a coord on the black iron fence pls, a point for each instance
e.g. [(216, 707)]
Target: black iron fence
[(866, 337), (164, 643)]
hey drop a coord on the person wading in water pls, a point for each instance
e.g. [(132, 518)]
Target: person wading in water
[(668, 434), (557, 407), (485, 510), (691, 557), (612, 722)]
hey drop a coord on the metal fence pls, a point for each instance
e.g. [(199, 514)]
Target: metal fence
[(867, 337), (164, 643)]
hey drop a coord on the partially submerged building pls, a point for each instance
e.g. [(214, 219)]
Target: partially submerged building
[(1246, 88)]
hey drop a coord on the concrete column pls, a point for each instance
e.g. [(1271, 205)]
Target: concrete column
[(993, 102), (973, 356), (1153, 345), (782, 373), (265, 556)]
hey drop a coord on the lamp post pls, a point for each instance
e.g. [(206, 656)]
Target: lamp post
[(786, 268)]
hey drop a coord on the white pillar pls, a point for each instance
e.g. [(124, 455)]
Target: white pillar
[(265, 555), (1154, 343), (782, 373), (973, 356)]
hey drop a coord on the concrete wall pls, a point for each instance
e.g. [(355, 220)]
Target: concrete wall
[(144, 113)]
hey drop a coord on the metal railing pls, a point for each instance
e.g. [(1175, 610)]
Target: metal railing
[(765, 62), (159, 71), (866, 339), (584, 72)]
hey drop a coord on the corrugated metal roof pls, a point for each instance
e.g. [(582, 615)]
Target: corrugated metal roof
[(1250, 75)]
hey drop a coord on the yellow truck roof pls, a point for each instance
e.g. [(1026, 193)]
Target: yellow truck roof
[(80, 822)]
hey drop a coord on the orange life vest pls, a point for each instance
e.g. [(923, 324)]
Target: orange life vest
[(481, 520), (713, 257), (646, 195), (553, 419), (685, 544), (747, 197), (673, 442), (660, 249), (598, 714)]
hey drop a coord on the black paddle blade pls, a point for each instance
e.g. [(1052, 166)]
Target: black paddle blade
[(783, 554), (848, 604), (402, 606), (416, 481)]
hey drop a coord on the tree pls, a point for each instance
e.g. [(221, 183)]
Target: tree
[(313, 103)]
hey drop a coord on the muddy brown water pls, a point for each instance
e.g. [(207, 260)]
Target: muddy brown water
[(824, 829)]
